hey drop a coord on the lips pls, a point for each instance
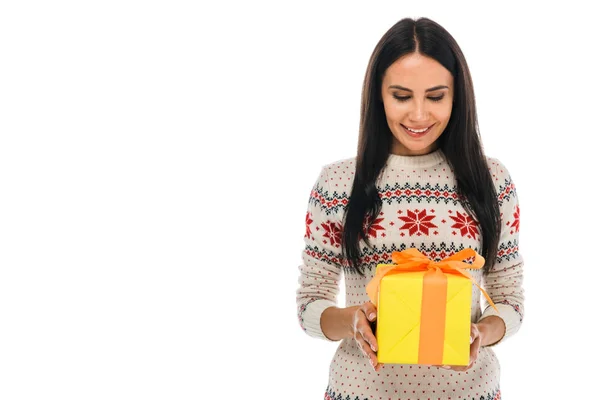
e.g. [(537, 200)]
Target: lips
[(415, 134)]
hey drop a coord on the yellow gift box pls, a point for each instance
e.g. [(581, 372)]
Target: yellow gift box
[(424, 308)]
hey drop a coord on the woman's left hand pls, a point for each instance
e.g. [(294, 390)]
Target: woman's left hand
[(475, 345)]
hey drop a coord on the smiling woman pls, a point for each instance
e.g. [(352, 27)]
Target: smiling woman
[(420, 180)]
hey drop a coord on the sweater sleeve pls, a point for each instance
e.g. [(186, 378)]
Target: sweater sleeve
[(321, 269), (504, 282)]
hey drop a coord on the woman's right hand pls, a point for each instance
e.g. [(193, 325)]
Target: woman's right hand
[(363, 334)]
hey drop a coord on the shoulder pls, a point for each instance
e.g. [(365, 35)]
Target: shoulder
[(337, 177), (343, 164), (498, 171), (505, 187), (338, 170)]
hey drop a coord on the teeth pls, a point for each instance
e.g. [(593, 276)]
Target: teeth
[(417, 131)]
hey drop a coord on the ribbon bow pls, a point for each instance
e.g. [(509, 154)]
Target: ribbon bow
[(413, 260)]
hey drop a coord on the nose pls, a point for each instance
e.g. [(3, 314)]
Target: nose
[(419, 112)]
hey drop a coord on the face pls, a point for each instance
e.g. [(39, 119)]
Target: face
[(417, 94)]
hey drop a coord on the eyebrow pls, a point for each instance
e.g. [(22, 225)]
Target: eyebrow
[(428, 90)]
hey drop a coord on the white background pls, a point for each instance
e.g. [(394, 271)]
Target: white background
[(156, 160)]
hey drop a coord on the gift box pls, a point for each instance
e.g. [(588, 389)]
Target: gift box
[(424, 308)]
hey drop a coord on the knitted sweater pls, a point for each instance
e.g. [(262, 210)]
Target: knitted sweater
[(420, 209)]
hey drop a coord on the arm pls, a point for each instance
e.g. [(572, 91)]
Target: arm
[(321, 269), (504, 282)]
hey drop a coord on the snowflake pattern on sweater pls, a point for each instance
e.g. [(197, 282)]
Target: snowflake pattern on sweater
[(420, 209)]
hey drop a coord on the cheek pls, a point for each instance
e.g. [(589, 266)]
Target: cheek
[(443, 112), (394, 112)]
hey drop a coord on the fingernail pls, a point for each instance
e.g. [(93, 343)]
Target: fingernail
[(445, 367), (371, 361), (372, 316), (471, 339), (373, 348)]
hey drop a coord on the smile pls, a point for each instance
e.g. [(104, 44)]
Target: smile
[(417, 132)]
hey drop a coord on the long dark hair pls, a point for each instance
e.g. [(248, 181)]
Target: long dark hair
[(460, 142)]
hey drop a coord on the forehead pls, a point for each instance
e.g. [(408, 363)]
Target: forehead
[(416, 71)]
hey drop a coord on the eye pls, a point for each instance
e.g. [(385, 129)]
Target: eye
[(406, 98)]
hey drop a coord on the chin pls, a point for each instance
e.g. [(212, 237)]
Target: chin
[(417, 148), (420, 150)]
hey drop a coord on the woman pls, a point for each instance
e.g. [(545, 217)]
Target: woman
[(420, 179)]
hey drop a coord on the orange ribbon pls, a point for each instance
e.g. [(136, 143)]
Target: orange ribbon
[(433, 310)]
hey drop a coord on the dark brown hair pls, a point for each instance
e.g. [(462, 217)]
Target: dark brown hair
[(460, 141)]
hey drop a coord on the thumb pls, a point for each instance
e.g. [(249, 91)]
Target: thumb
[(474, 332)]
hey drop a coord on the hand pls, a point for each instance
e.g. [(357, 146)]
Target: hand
[(363, 334), (476, 340)]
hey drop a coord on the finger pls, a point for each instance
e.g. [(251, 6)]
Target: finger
[(370, 356), (365, 348), (367, 335), (368, 353), (370, 311), (364, 328), (475, 348), (370, 342), (465, 368)]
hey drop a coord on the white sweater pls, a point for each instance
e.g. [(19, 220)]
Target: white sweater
[(420, 209)]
